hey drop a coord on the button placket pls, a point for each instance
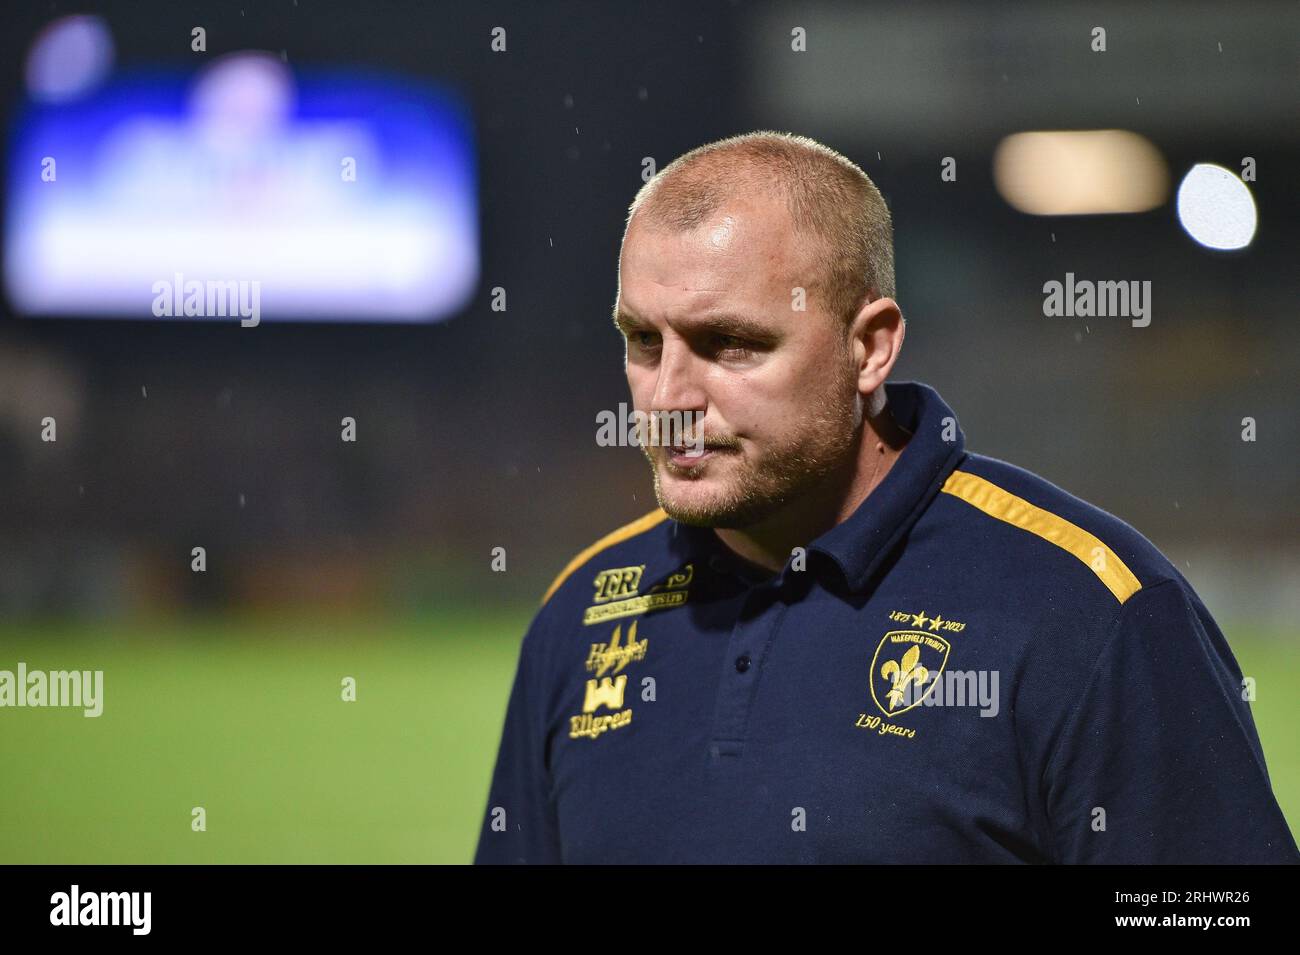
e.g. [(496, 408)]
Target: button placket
[(750, 638)]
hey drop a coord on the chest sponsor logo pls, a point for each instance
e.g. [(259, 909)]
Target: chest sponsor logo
[(607, 691), (617, 582), (606, 657), (617, 593)]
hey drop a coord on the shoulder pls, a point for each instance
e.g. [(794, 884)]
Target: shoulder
[(608, 567), (623, 547), (1052, 534)]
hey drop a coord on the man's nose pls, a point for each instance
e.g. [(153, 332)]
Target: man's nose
[(679, 386)]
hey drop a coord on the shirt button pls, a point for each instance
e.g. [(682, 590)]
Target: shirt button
[(742, 664)]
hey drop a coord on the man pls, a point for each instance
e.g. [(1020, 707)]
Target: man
[(843, 638)]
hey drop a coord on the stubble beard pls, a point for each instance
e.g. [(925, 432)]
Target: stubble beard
[(749, 491)]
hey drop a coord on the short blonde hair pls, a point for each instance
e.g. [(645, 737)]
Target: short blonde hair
[(827, 195)]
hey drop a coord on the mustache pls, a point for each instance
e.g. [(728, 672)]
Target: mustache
[(724, 445), (713, 445), (708, 441), (664, 429)]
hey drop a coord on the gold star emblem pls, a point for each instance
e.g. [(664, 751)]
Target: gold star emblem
[(936, 622), (919, 619)]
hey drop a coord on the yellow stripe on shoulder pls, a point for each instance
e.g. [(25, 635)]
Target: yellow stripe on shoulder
[(1016, 511), (638, 526)]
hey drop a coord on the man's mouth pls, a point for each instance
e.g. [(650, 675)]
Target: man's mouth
[(685, 455)]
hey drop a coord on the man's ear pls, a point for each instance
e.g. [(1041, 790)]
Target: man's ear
[(876, 339)]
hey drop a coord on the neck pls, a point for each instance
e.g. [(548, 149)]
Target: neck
[(768, 544)]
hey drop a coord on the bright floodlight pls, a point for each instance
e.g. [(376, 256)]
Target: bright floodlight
[(1216, 207), (1080, 172)]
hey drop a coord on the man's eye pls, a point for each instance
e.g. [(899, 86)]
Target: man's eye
[(730, 343), (643, 339)]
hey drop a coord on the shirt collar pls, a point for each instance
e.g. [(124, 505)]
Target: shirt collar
[(860, 544)]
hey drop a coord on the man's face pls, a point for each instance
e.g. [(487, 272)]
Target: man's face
[(712, 330)]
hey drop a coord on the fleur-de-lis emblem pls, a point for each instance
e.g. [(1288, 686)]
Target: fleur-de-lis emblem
[(901, 673)]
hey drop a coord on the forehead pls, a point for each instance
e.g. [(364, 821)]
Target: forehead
[(744, 253)]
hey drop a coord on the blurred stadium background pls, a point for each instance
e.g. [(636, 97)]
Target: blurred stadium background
[(372, 559)]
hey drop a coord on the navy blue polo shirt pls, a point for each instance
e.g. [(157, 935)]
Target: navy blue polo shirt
[(974, 667)]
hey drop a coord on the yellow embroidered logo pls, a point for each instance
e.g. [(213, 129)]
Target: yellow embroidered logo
[(607, 691), (616, 593), (603, 656), (923, 621), (617, 582), (906, 666)]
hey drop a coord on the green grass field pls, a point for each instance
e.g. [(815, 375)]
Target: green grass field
[(245, 719)]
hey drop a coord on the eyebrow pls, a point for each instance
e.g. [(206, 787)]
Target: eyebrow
[(624, 320), (725, 323)]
